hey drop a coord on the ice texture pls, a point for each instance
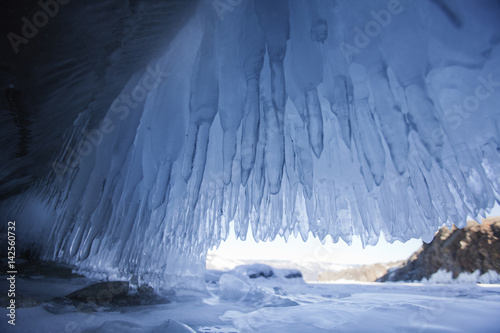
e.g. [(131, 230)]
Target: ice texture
[(294, 117)]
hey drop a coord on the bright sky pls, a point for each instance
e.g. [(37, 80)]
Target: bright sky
[(338, 253)]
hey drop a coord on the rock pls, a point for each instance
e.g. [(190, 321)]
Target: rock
[(101, 293), (109, 294), (293, 274), (254, 271), (475, 247)]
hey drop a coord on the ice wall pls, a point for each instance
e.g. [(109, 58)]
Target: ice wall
[(333, 118)]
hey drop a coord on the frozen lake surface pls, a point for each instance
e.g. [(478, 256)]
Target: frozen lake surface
[(233, 302)]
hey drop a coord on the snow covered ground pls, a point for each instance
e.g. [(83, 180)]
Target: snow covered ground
[(234, 302)]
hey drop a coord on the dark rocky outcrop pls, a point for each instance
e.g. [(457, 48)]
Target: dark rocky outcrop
[(105, 296), (475, 247)]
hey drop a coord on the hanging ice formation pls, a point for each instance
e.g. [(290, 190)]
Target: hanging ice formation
[(308, 117)]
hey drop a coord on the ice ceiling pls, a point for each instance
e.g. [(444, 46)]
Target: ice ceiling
[(290, 117)]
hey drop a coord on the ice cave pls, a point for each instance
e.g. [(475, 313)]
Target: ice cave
[(137, 132)]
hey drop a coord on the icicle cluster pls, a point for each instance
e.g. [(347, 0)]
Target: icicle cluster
[(333, 118)]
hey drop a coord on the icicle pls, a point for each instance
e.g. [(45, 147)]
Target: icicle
[(392, 122), (274, 21), (308, 31), (253, 62), (369, 139), (203, 108), (230, 39), (423, 120), (275, 150)]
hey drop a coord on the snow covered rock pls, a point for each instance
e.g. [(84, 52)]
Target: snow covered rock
[(255, 271)]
